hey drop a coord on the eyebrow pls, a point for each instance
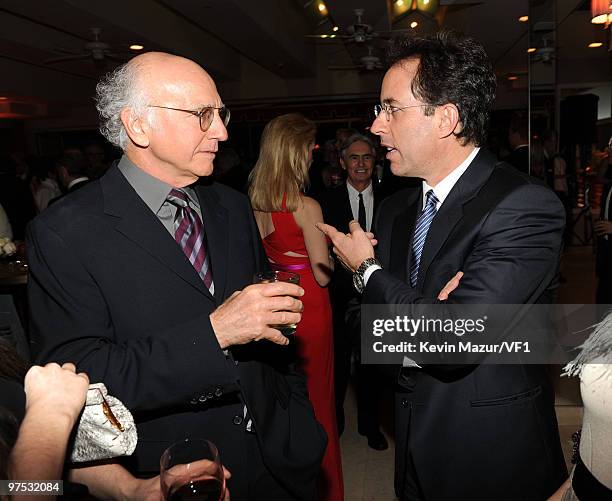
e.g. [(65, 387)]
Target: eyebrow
[(389, 101)]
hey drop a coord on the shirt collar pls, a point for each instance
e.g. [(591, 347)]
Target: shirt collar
[(353, 192), (444, 187), (152, 190), (77, 180)]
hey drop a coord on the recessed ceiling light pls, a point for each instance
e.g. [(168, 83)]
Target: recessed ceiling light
[(332, 36), (595, 45), (335, 28), (524, 19), (324, 36), (512, 77), (322, 7), (531, 49), (414, 24), (136, 47), (399, 3)]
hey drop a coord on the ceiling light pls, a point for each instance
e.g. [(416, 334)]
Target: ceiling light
[(595, 45), (332, 36), (414, 24), (531, 49), (322, 7), (600, 12), (426, 2), (523, 19), (399, 3), (136, 47), (512, 77), (324, 36), (3, 98), (335, 28)]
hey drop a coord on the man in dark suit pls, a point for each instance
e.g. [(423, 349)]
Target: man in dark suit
[(357, 199), (71, 169), (147, 290), (476, 432), (518, 139)]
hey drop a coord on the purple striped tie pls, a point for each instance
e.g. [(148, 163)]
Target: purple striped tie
[(189, 234)]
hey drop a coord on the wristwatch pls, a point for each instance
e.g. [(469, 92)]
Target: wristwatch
[(359, 272)]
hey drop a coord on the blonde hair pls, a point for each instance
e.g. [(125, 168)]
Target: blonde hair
[(282, 166)]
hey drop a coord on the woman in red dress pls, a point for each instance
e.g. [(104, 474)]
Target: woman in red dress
[(286, 219)]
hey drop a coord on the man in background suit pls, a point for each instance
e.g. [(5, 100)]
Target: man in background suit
[(603, 230), (147, 290), (71, 170), (476, 432), (357, 199)]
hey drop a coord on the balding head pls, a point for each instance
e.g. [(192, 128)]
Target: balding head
[(139, 82), (164, 111)]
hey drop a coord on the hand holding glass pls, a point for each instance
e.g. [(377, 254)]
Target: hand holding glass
[(268, 277), (192, 469)]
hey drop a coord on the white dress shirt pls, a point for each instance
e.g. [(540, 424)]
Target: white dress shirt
[(368, 202), (441, 190)]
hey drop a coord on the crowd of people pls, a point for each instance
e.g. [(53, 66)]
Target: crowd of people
[(142, 278)]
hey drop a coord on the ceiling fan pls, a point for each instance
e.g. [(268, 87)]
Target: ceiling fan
[(369, 62), (96, 50), (546, 52), (359, 32)]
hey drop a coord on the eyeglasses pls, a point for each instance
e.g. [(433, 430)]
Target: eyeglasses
[(389, 110), (205, 114)]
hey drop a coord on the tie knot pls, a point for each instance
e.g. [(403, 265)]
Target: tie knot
[(430, 198), (360, 195), (178, 198)]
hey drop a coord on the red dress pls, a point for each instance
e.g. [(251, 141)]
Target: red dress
[(314, 343)]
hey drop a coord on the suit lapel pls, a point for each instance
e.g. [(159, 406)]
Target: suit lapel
[(451, 211), (140, 225), (401, 237), (346, 209), (215, 219)]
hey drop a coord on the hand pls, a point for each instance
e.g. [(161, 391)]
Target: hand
[(197, 470), (56, 390), (450, 286), (603, 228), (352, 248), (247, 314), (150, 489)]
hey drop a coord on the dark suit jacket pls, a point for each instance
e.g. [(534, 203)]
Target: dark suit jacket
[(485, 431), (336, 208), (73, 188), (114, 293)]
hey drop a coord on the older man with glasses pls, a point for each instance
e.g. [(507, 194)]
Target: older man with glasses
[(148, 290)]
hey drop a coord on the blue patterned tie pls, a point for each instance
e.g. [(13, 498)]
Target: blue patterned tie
[(420, 234)]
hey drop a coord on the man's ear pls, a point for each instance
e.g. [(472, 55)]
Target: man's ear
[(136, 127), (342, 163), (449, 120)]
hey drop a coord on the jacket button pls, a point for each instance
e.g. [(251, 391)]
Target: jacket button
[(209, 395), (405, 402), (218, 392), (202, 399), (193, 401), (237, 419)]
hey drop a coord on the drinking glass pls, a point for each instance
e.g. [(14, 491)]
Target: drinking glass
[(267, 277), (191, 470)]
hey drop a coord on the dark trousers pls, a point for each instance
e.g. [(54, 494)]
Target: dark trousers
[(261, 483)]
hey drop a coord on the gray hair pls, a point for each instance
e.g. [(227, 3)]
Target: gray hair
[(353, 139), (116, 91)]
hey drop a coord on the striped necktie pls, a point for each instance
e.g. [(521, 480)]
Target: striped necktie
[(189, 234), (420, 234)]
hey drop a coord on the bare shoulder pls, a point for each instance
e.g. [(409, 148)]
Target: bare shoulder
[(309, 211)]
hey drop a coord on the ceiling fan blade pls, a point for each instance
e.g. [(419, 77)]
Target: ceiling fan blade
[(76, 57), (64, 50), (343, 68)]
